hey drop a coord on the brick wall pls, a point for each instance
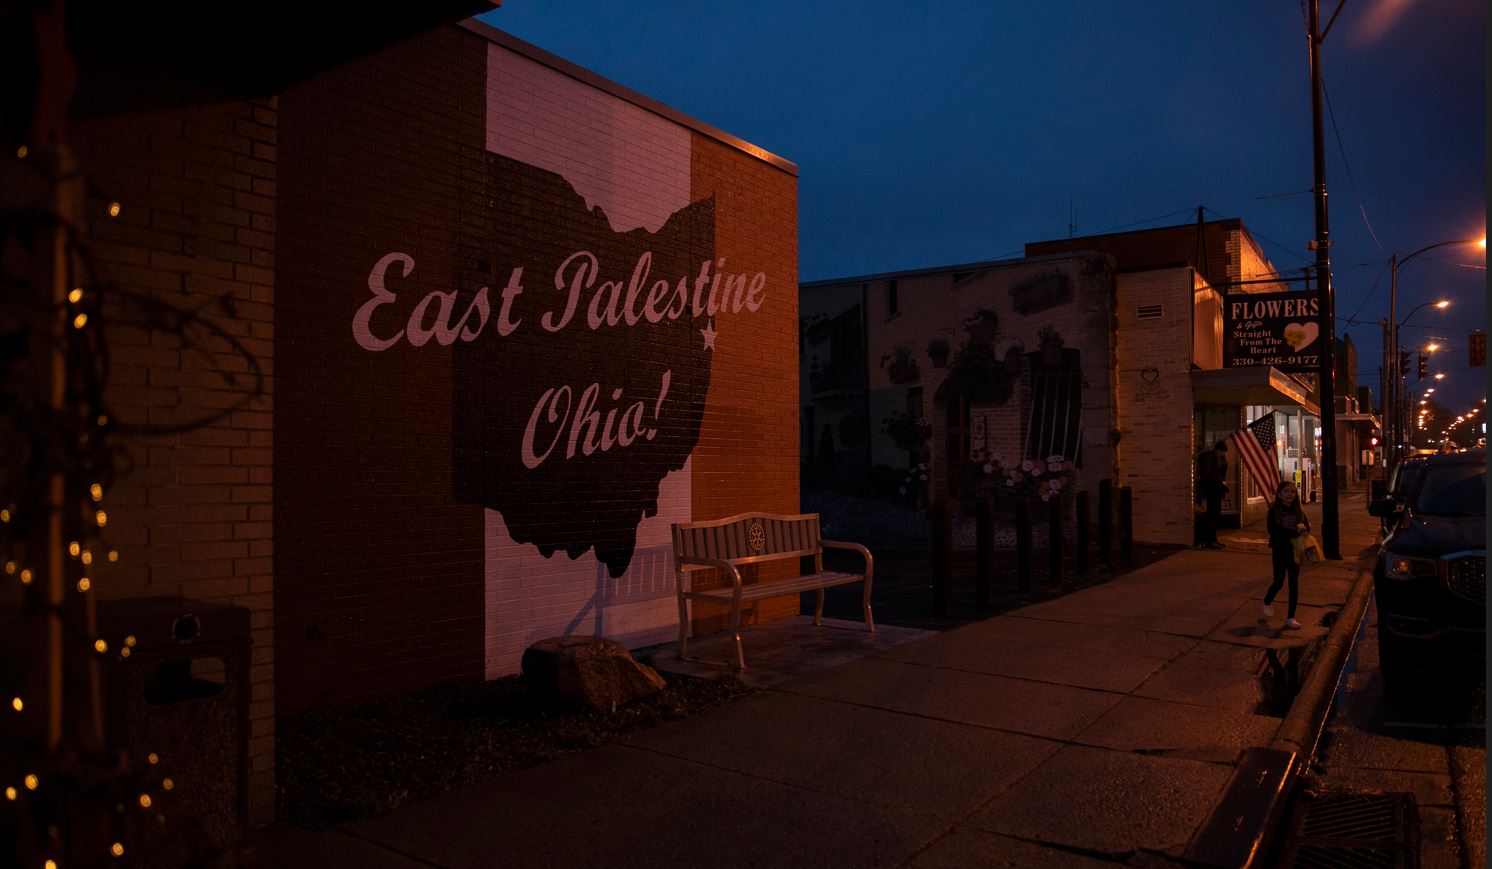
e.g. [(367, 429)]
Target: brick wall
[(194, 517), (933, 303), (368, 516), (452, 481), (1155, 405)]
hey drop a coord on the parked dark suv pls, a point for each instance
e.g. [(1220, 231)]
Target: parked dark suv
[(1431, 576), (1398, 488)]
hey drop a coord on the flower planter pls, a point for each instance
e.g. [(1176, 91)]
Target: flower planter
[(984, 331)]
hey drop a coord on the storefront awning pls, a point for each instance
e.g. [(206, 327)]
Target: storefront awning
[(1254, 385), (1357, 417)]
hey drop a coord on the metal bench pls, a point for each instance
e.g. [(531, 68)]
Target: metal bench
[(756, 538)]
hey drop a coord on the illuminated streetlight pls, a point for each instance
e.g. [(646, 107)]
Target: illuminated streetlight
[(1440, 376), (1391, 338)]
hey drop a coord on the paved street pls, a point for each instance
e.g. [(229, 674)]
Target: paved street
[(1430, 741)]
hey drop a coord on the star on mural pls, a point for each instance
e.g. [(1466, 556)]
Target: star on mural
[(709, 332)]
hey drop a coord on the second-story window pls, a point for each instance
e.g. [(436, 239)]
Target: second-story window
[(891, 306)]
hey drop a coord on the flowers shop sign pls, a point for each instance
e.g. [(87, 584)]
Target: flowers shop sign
[(1276, 329)]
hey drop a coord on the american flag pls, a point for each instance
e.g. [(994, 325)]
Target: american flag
[(1255, 445)]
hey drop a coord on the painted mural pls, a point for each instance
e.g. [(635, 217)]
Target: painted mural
[(550, 303)]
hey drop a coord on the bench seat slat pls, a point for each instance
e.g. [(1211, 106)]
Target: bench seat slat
[(728, 544), (780, 588)]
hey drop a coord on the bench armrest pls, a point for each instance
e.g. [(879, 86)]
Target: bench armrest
[(722, 564), (864, 553)]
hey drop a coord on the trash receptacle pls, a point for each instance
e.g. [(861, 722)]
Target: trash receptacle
[(181, 697)]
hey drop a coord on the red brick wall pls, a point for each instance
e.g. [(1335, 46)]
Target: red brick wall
[(196, 228), (379, 568), (747, 459), (1217, 258), (348, 513), (413, 546)]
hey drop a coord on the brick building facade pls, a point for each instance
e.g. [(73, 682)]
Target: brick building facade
[(1141, 328), (512, 320)]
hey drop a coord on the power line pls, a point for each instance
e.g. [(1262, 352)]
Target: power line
[(1351, 181), (1371, 291), (1291, 251), (1148, 220)]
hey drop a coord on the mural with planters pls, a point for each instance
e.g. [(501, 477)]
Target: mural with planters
[(990, 381)]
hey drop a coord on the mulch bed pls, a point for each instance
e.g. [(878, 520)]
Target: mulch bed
[(351, 763)]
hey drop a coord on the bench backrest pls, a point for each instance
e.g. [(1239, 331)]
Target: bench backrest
[(749, 537)]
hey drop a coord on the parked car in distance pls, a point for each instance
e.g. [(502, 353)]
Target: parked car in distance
[(1430, 580), (1398, 485)]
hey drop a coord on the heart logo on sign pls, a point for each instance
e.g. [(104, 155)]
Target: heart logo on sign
[(1301, 335)]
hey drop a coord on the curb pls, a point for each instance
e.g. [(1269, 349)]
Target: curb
[(1301, 729), (1239, 830)]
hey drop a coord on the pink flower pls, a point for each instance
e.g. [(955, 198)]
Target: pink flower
[(1017, 476), (1026, 465), (1010, 482), (1054, 459), (1054, 465), (1037, 467), (1056, 484), (989, 469)]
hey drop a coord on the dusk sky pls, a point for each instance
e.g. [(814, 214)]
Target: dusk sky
[(948, 132)]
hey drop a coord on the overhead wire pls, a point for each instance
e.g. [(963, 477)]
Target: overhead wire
[(1371, 291), (1351, 181), (1299, 256)]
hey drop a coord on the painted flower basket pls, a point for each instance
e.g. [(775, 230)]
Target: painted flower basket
[(983, 325), (937, 351), (903, 368)]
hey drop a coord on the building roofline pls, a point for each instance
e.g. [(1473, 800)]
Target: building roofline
[(1226, 222), (981, 265), (622, 92)]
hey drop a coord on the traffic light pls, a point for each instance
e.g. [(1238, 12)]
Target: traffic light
[(1424, 365), (1403, 363)]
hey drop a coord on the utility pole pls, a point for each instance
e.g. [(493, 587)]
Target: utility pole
[(1327, 390), (1391, 361)]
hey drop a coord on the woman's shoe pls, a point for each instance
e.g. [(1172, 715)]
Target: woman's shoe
[(1292, 624), (1268, 611)]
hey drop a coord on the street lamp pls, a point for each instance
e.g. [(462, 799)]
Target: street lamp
[(1391, 340), (1399, 421)]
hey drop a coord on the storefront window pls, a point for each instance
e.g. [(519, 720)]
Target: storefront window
[(1213, 424)]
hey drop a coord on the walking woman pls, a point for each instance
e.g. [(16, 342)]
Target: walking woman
[(1287, 521)]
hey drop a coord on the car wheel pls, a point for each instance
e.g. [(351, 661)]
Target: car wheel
[(1396, 661)]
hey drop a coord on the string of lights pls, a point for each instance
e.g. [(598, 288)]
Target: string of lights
[(68, 791)]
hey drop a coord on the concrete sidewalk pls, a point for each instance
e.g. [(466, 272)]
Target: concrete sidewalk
[(1102, 726)]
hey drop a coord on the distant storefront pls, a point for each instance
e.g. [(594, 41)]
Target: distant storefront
[(1107, 351)]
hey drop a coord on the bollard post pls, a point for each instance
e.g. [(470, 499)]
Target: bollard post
[(1023, 545), (1082, 535), (984, 549), (1054, 541), (1105, 519), (942, 547), (1126, 522)]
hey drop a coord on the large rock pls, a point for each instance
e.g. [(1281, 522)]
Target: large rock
[(593, 672)]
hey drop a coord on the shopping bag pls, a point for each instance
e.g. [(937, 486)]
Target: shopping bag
[(1307, 550)]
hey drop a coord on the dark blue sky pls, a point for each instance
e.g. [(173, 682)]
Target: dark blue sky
[(944, 132)]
